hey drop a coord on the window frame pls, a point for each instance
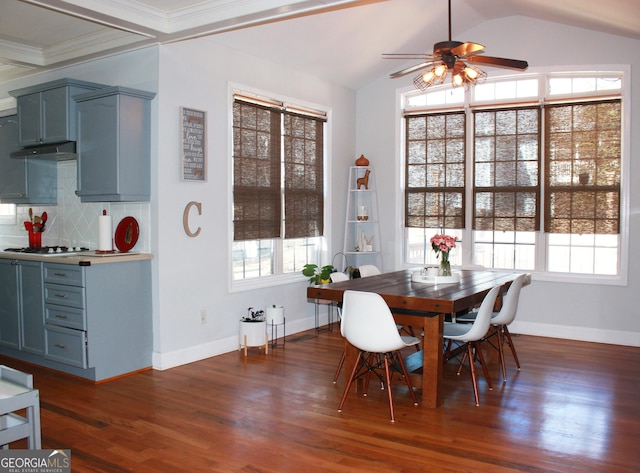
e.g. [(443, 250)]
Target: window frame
[(541, 241), (279, 277)]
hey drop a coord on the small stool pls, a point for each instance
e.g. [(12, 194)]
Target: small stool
[(16, 393)]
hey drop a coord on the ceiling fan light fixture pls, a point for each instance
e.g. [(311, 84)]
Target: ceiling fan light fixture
[(461, 75), (435, 75), (440, 70)]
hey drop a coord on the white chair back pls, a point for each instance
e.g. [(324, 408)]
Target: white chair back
[(367, 323), (338, 277), (368, 270), (510, 302), (480, 326)]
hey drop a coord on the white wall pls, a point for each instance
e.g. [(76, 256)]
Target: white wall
[(608, 314), (193, 272)]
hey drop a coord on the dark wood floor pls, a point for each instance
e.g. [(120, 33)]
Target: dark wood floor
[(574, 407)]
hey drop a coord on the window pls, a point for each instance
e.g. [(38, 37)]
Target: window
[(506, 192), (435, 178), (543, 191), (278, 187)]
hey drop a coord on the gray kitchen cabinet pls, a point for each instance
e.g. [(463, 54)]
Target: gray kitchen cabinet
[(114, 145), (21, 311), (10, 306), (22, 180), (92, 321), (47, 112), (98, 318), (32, 315)]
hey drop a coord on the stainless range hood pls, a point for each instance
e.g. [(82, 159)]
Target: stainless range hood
[(58, 151)]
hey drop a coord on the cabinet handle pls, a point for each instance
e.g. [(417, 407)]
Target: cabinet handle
[(62, 275), (62, 296), (61, 345), (15, 263), (61, 316)]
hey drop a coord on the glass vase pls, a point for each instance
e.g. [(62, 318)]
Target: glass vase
[(445, 266)]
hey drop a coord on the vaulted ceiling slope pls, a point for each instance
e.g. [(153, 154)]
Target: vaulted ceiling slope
[(337, 40)]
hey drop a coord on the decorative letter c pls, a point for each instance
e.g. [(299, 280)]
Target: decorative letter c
[(185, 218)]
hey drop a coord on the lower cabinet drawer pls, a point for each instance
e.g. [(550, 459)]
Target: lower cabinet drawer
[(66, 346), (65, 316), (71, 296)]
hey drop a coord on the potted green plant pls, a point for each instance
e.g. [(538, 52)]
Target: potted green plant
[(318, 275)]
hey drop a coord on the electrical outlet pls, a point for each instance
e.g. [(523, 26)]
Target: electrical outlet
[(203, 316)]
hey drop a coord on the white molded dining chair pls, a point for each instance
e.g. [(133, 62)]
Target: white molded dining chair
[(367, 270), (501, 319), (471, 334), (367, 323), (339, 277)]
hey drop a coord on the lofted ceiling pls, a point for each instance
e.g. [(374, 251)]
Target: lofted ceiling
[(337, 40)]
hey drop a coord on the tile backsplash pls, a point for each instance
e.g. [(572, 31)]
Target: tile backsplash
[(73, 223)]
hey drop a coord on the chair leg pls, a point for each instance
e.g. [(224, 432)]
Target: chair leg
[(483, 364), (513, 349), (348, 386), (462, 360), (388, 378), (473, 374), (340, 365), (405, 373), (501, 353)]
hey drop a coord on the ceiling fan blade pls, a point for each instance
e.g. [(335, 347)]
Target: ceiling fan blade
[(467, 48), (408, 70), (498, 62), (407, 56)]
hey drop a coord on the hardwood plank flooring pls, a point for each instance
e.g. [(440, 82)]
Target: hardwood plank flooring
[(573, 407)]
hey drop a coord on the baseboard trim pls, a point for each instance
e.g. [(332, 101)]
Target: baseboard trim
[(164, 361), (585, 334)]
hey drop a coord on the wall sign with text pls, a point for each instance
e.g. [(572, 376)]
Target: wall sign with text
[(193, 150)]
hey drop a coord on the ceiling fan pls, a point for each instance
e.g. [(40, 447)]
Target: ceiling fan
[(452, 56)]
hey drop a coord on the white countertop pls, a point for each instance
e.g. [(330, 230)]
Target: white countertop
[(85, 258)]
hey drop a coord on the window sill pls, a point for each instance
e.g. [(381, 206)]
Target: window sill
[(266, 281)]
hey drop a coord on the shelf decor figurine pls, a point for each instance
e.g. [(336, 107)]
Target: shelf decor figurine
[(364, 180), (362, 161)]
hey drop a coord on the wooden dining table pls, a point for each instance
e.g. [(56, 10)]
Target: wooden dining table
[(422, 306)]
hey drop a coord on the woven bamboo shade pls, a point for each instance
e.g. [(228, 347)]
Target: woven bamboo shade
[(435, 171), (257, 210), (506, 169), (303, 176), (583, 148)]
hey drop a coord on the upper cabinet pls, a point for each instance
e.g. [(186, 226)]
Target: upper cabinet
[(23, 181), (47, 112), (114, 145)]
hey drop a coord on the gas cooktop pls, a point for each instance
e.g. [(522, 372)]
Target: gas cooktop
[(48, 250)]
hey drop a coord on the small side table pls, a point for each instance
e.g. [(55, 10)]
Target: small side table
[(253, 334), (330, 305)]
